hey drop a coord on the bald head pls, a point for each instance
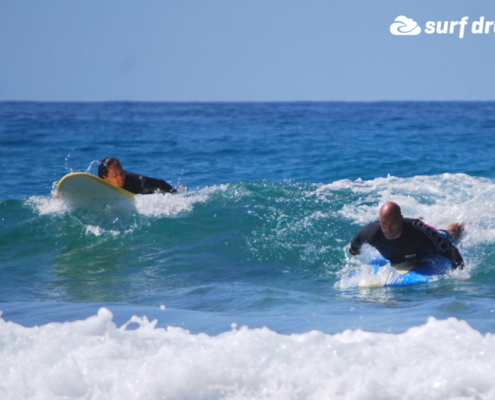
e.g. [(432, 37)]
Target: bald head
[(391, 220), (390, 209)]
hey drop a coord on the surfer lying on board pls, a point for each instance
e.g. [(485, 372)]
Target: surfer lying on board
[(400, 239), (111, 170)]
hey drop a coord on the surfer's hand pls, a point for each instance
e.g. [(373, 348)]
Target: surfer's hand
[(350, 251)]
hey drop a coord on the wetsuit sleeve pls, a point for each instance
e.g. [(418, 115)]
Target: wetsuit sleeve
[(441, 245), (361, 237), (455, 258), (355, 245), (133, 182), (139, 184), (151, 185)]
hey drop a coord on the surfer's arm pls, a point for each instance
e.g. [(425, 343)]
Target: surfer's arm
[(353, 249), (165, 186), (356, 244), (151, 185), (365, 235), (440, 244), (455, 257), (139, 184)]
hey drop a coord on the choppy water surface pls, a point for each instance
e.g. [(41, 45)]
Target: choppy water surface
[(238, 288)]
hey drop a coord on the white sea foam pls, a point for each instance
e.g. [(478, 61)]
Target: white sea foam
[(367, 278), (440, 198), (47, 205), (153, 205), (99, 231), (158, 205), (94, 359)]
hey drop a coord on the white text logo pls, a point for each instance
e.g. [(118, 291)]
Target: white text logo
[(407, 26)]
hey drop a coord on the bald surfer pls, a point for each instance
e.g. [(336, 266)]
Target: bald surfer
[(111, 171), (401, 240)]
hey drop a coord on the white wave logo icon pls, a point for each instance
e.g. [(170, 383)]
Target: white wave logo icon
[(405, 26)]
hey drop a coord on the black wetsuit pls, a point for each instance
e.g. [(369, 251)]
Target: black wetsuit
[(139, 184), (417, 242)]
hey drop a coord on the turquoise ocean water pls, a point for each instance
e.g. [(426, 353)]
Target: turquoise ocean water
[(240, 288)]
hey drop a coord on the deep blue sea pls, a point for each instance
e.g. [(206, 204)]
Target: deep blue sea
[(239, 288)]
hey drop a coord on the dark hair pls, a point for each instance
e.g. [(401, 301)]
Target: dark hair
[(103, 168)]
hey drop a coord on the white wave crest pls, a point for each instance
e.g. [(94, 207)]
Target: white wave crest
[(95, 359)]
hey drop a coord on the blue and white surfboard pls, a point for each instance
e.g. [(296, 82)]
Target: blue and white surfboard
[(407, 274)]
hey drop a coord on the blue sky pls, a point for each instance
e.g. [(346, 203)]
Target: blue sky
[(241, 50)]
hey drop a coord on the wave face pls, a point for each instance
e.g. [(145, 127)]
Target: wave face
[(240, 287)]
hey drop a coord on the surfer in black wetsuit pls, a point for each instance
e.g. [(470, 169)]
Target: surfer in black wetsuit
[(111, 170), (400, 239)]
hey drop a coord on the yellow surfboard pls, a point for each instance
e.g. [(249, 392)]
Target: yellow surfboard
[(80, 189)]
